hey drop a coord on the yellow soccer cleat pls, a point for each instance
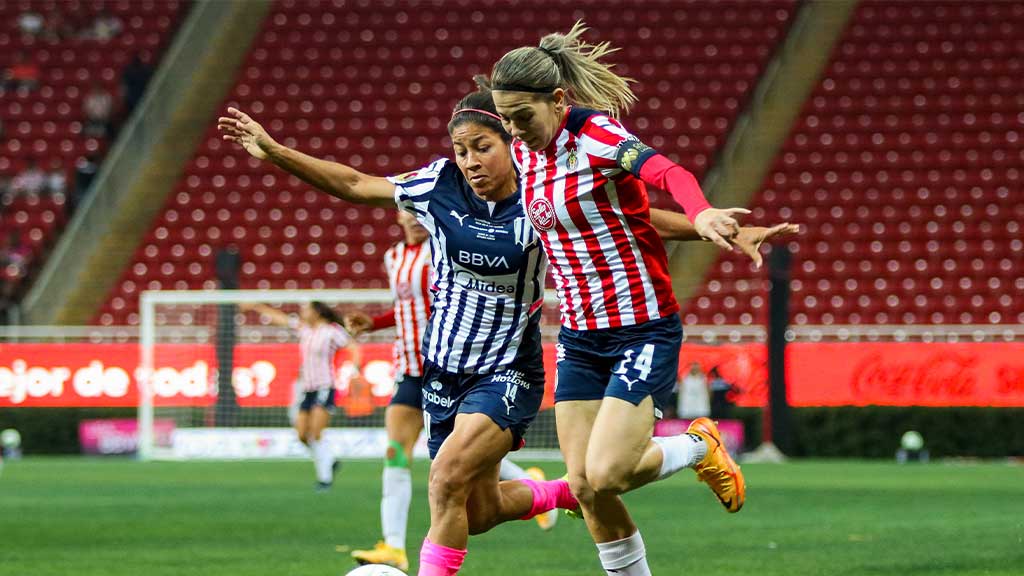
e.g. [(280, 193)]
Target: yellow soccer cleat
[(383, 554), (718, 470), (547, 520), (577, 512)]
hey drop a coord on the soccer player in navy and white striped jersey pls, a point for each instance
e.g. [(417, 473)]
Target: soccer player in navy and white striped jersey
[(483, 361), (321, 335)]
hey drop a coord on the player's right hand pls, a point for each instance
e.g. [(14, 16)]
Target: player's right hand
[(356, 323), (240, 128)]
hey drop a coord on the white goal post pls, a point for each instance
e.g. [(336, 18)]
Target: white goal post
[(188, 411)]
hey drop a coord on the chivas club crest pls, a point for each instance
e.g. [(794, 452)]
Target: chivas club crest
[(542, 214)]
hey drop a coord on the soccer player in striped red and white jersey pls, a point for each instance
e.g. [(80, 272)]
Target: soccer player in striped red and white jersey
[(321, 335), (583, 177), (409, 275)]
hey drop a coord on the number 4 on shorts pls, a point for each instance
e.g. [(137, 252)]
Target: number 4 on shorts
[(642, 363)]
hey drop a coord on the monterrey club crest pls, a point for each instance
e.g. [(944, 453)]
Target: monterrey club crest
[(542, 214)]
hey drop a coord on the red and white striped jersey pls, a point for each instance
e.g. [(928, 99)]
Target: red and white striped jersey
[(317, 346), (593, 216), (409, 276)]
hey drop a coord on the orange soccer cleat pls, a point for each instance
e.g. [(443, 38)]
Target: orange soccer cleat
[(718, 470)]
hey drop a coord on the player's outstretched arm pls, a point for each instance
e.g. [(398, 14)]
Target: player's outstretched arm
[(676, 226), (276, 317), (750, 238), (336, 179)]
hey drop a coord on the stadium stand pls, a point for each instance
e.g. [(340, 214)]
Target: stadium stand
[(64, 50), (905, 168), (371, 84)]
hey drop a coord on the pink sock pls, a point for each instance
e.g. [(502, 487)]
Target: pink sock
[(548, 495), (437, 560)]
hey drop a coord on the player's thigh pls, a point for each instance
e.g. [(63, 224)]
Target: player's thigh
[(475, 447), (620, 434), (319, 418), (302, 424), (403, 424), (574, 421)]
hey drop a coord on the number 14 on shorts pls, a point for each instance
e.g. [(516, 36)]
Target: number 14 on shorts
[(636, 365)]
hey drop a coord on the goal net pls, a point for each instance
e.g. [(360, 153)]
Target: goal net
[(219, 382)]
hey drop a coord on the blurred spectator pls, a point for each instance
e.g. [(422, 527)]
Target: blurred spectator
[(22, 74), (1, 129), (106, 26), (57, 28), (56, 177), (30, 23), (693, 401), (133, 82), (17, 254), (85, 171), (97, 107), (30, 181), (721, 402)]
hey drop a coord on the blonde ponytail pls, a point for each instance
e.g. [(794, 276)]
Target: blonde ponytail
[(566, 61)]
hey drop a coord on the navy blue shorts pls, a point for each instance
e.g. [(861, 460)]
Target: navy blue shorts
[(408, 392), (629, 363), (323, 398), (510, 397)]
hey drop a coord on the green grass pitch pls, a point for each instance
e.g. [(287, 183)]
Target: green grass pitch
[(88, 517)]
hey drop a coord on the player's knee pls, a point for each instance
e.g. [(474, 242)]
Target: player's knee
[(448, 483), (397, 456), (605, 477), (581, 489)]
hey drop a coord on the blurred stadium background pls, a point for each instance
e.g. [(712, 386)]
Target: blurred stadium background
[(891, 131)]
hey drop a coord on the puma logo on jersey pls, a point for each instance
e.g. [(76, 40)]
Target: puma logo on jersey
[(508, 405), (629, 383), (459, 218)]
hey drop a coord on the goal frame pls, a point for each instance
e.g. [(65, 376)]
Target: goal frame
[(150, 299)]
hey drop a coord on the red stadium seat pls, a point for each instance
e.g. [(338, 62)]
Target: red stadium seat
[(899, 151)]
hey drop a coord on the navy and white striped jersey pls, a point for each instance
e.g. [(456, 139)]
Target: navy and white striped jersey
[(488, 270)]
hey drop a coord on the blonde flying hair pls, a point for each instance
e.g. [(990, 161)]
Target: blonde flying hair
[(566, 61)]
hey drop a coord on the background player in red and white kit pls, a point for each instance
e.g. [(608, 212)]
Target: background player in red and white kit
[(582, 177), (408, 268), (321, 335)]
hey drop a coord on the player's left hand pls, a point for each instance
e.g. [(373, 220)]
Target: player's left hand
[(357, 322), (718, 225), (750, 238)]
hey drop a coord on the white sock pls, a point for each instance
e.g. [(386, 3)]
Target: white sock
[(511, 471), (626, 557), (394, 505), (323, 460), (678, 452)]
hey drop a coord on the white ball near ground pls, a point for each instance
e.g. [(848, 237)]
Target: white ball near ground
[(10, 438), (912, 440), (376, 570)]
